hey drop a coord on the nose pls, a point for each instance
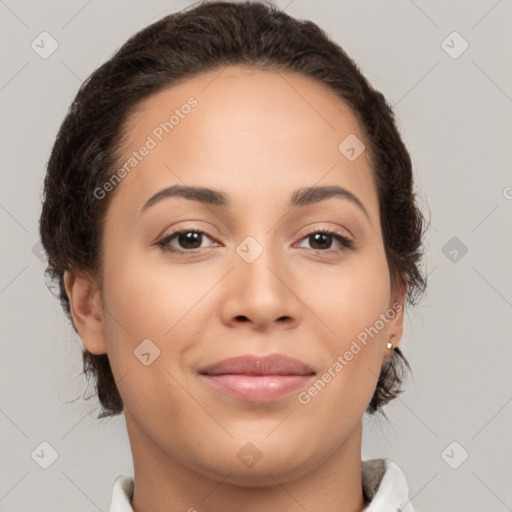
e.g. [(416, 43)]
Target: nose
[(261, 292)]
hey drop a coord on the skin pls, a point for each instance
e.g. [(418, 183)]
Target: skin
[(258, 136)]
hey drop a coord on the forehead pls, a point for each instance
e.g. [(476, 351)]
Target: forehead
[(243, 130), (235, 97)]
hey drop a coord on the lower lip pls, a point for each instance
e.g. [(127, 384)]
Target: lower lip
[(258, 388)]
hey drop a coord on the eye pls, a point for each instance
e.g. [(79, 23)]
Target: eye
[(190, 240), (323, 239)]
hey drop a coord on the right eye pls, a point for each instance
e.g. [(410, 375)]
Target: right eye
[(189, 239)]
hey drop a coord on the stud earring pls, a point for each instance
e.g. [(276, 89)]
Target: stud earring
[(390, 346)]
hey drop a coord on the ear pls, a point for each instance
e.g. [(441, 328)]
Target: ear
[(86, 309), (395, 328)]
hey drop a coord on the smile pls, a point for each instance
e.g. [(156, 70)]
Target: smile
[(256, 378)]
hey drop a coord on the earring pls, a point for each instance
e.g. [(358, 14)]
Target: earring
[(390, 346)]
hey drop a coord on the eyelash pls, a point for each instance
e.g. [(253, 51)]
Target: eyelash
[(345, 242)]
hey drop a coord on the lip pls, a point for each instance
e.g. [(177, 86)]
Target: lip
[(256, 378)]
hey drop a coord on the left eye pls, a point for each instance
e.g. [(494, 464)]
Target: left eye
[(325, 238), (190, 241)]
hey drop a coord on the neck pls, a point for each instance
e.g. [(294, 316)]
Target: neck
[(163, 484)]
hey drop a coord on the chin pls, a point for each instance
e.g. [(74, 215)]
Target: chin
[(248, 468), (263, 475)]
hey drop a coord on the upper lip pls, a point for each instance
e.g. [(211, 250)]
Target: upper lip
[(273, 364)]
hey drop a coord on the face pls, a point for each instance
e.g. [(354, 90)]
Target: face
[(258, 267)]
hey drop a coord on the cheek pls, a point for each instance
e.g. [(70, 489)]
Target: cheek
[(147, 298), (350, 301), (146, 308), (354, 343), (351, 297)]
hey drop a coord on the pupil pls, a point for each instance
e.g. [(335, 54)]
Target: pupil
[(187, 239), (323, 236)]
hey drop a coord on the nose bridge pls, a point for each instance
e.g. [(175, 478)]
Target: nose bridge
[(257, 263)]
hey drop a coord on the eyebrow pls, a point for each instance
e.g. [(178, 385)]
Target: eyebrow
[(300, 198)]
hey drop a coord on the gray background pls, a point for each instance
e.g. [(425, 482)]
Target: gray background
[(454, 114)]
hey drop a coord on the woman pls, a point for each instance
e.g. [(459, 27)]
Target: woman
[(229, 212)]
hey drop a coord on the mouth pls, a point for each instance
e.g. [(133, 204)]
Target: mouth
[(256, 378)]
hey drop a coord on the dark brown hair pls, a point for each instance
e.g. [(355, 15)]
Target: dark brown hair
[(204, 37)]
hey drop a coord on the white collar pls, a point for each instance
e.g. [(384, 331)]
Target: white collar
[(383, 481), (385, 487)]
